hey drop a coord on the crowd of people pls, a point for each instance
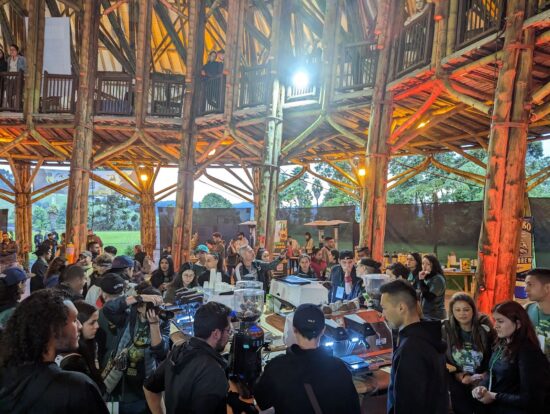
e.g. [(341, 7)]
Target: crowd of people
[(89, 338)]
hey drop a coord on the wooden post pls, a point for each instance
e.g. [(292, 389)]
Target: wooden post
[(374, 184), (505, 182), (23, 210), (183, 214), (269, 171), (143, 61), (77, 199), (148, 226), (35, 58)]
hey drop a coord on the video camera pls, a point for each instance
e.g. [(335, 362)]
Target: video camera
[(163, 312)]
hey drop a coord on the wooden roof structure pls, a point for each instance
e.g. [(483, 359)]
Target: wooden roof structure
[(387, 78)]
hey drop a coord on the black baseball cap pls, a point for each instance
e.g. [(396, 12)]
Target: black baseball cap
[(309, 319), (112, 284)]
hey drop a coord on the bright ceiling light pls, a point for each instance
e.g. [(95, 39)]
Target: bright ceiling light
[(362, 172), (300, 80), (212, 152)]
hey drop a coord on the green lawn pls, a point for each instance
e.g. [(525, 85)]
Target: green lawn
[(122, 240)]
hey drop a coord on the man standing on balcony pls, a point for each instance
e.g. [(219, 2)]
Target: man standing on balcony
[(16, 62), (212, 72)]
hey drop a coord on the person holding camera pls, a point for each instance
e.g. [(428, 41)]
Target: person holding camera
[(142, 345)]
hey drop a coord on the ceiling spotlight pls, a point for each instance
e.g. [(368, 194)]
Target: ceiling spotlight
[(143, 177), (362, 172), (212, 152), (300, 80)]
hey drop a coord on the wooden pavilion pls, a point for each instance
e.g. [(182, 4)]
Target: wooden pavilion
[(388, 78)]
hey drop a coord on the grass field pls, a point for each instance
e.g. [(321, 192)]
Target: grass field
[(122, 240)]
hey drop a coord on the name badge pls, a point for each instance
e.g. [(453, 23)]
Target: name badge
[(340, 292)]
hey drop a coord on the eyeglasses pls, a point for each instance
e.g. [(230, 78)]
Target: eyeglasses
[(228, 330)]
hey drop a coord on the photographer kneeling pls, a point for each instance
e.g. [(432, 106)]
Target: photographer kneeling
[(142, 345)]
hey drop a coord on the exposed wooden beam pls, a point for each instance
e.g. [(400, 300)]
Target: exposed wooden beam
[(164, 17), (121, 37)]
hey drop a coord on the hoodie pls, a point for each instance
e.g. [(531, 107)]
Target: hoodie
[(283, 383), (418, 381), (46, 389), (194, 379)]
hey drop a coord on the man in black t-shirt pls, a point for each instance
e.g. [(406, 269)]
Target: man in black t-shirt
[(307, 380), (30, 381)]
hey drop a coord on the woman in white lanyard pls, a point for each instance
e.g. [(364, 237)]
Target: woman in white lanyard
[(519, 373)]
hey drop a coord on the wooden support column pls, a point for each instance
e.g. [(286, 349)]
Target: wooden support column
[(143, 60), (35, 58), (505, 183), (183, 214), (148, 222), (23, 210), (372, 228), (77, 199), (269, 171)]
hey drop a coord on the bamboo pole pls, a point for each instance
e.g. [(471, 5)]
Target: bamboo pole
[(148, 226), (271, 151), (505, 183), (372, 227), (23, 211), (35, 57), (143, 63), (77, 199), (451, 26), (183, 213)]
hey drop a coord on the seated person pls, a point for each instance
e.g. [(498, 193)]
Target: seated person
[(304, 267), (345, 283), (212, 262)]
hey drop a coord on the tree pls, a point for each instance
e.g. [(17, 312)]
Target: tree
[(317, 189), (334, 197), (213, 200), (296, 194), (40, 220)]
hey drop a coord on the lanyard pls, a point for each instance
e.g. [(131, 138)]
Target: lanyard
[(494, 358)]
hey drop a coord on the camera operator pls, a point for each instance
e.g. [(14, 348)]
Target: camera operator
[(143, 343), (193, 376)]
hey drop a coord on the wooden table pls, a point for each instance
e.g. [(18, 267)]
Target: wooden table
[(467, 280)]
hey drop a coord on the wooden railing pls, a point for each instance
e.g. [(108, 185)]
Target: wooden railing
[(58, 93), (114, 94), (478, 19), (415, 42), (167, 94), (356, 68), (11, 91), (254, 86), (212, 95)]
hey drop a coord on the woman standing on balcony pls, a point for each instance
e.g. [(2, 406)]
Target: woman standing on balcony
[(16, 62)]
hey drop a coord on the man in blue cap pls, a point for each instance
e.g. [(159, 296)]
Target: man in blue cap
[(307, 379), (13, 281), (199, 267)]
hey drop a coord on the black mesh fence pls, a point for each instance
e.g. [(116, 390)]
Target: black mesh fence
[(439, 228)]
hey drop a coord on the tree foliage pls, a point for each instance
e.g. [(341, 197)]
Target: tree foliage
[(296, 194), (213, 200)]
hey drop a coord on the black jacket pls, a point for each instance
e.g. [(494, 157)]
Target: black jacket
[(522, 384), (418, 382), (194, 379), (39, 269), (281, 385), (337, 280), (205, 277), (46, 389)]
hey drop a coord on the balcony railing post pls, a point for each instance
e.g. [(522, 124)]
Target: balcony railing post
[(114, 94), (476, 20), (356, 69)]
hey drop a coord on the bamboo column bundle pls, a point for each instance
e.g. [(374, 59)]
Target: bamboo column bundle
[(77, 199), (147, 209), (23, 210), (269, 170), (35, 58), (183, 213), (374, 184), (505, 183), (143, 60)]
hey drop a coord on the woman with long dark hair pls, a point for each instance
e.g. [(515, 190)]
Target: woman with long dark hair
[(318, 264), (213, 262), (469, 336), (304, 267), (56, 267), (85, 359), (432, 285), (187, 279), (519, 374), (414, 264), (164, 274)]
